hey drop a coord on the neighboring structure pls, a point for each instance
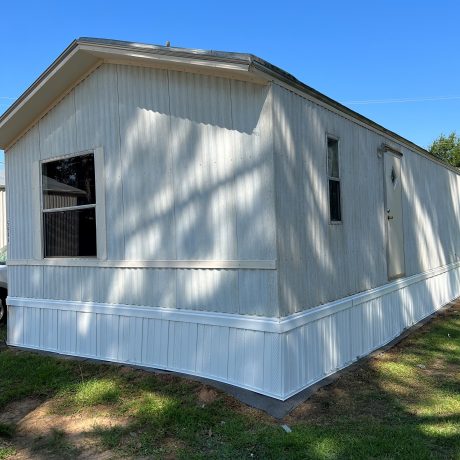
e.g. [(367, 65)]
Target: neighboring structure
[(207, 213)]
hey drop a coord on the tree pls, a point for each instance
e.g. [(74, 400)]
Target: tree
[(447, 148)]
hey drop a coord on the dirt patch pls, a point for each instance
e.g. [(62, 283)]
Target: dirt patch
[(42, 421), (38, 429), (207, 395), (14, 412)]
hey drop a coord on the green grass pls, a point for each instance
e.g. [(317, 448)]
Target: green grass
[(6, 451), (403, 404)]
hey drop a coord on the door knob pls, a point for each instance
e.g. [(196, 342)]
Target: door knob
[(389, 217)]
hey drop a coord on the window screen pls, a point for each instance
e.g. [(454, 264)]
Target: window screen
[(333, 173), (69, 207)]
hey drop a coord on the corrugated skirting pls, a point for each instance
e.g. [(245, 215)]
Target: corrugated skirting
[(275, 357)]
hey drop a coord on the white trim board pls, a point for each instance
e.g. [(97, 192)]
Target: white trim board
[(186, 264), (256, 323)]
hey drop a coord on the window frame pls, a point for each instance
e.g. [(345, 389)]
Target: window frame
[(335, 179), (99, 206)]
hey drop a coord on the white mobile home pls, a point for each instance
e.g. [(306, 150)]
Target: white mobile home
[(207, 213)]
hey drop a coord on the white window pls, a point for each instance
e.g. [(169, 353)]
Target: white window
[(69, 206), (333, 173)]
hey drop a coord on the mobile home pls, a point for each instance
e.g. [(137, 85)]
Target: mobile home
[(207, 213)]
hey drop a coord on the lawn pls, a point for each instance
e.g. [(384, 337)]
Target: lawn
[(404, 403)]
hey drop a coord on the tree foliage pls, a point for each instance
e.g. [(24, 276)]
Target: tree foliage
[(447, 148)]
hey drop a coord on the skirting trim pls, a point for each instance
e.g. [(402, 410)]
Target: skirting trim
[(256, 323)]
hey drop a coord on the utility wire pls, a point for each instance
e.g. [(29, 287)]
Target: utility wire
[(401, 101)]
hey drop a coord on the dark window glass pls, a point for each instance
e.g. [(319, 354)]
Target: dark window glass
[(69, 182), (333, 157), (334, 200), (70, 233)]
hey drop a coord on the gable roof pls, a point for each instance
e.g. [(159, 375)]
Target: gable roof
[(84, 54)]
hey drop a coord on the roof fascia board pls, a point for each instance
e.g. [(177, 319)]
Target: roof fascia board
[(239, 74), (51, 105), (105, 52), (36, 86)]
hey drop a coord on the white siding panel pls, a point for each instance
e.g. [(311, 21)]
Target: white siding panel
[(25, 281), (246, 357), (58, 129), (32, 329), (62, 283), (130, 337), (258, 292), (208, 289), (203, 168), (273, 377), (182, 346), (188, 165), (107, 336), (350, 256), (105, 285), (19, 169), (155, 339), (97, 125), (86, 334), (148, 190), (254, 176), (67, 331), (154, 287), (15, 325), (49, 327), (212, 351), (335, 341)]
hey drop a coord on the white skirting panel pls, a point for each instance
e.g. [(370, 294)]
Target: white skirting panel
[(360, 324), (274, 357), (244, 357)]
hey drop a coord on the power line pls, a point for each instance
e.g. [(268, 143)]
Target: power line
[(401, 101)]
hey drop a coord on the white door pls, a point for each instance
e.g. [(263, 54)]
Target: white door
[(394, 215)]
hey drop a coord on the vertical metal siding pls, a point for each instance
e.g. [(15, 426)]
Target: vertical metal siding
[(148, 196), (130, 338), (19, 165), (155, 339), (98, 125), (58, 133), (319, 262), (320, 348), (188, 175), (202, 152)]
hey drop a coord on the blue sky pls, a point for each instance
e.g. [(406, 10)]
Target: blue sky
[(384, 51)]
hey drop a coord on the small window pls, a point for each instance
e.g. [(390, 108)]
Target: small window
[(69, 207), (333, 173)]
